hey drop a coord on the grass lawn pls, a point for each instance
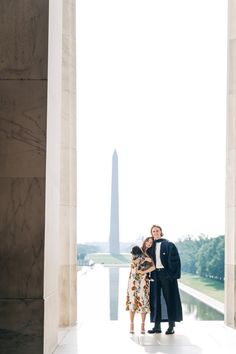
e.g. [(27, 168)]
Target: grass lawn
[(210, 287), (106, 258)]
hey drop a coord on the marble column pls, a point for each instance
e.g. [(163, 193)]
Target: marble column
[(230, 232), (68, 242), (31, 175), (53, 176)]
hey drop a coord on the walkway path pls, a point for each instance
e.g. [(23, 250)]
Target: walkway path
[(112, 337)]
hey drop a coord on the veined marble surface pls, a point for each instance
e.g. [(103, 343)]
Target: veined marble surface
[(23, 107), (21, 326), (22, 237), (24, 39)]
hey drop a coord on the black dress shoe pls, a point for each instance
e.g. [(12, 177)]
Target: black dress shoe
[(170, 330), (155, 330)]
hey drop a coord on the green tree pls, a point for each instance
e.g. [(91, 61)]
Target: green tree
[(210, 258), (215, 267), (202, 255)]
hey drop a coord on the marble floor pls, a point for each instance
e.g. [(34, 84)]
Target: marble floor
[(97, 332)]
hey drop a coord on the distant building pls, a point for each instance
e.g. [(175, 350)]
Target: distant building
[(114, 242)]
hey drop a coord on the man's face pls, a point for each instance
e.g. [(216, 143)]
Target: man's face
[(156, 233)]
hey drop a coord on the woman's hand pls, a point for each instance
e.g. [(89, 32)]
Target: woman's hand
[(148, 259)]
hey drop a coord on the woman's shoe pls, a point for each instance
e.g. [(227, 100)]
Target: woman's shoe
[(131, 331), (142, 328)]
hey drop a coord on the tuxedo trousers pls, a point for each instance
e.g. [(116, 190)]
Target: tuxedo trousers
[(165, 301)]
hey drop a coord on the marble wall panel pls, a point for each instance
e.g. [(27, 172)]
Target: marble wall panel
[(23, 109), (22, 213), (231, 20), (24, 39), (231, 180), (73, 294), (73, 133), (230, 295), (69, 23), (51, 318), (68, 136), (67, 277), (65, 128), (230, 231), (231, 124), (68, 177), (68, 123), (232, 66), (73, 232), (230, 215), (68, 295), (68, 268), (51, 239), (69, 62), (21, 326), (65, 230), (64, 295), (229, 197)]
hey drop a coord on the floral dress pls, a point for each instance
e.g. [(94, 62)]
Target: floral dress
[(138, 292)]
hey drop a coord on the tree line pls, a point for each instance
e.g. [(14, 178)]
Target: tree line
[(202, 256)]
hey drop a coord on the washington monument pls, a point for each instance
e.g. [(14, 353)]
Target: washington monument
[(114, 242)]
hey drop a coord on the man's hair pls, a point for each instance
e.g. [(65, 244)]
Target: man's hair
[(158, 228)]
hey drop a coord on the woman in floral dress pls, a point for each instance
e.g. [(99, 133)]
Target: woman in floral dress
[(138, 286)]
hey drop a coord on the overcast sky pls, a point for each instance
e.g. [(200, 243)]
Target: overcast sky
[(152, 85)]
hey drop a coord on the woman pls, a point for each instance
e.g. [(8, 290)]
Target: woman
[(138, 284)]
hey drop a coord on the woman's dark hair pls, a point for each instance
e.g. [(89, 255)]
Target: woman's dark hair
[(144, 248), (158, 228)]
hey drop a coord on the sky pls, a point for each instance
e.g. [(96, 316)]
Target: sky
[(151, 83)]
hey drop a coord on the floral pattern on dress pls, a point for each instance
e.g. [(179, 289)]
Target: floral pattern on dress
[(138, 290)]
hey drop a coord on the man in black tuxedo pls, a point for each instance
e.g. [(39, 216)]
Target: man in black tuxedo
[(165, 301)]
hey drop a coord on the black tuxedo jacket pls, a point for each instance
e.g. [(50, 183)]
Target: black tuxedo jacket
[(169, 257)]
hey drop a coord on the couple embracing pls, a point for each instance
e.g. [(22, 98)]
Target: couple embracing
[(152, 284)]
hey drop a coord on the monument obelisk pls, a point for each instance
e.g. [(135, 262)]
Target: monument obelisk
[(114, 242)]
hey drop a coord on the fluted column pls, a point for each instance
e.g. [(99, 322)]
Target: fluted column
[(230, 232), (68, 242)]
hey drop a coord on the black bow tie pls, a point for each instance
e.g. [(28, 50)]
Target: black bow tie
[(156, 241)]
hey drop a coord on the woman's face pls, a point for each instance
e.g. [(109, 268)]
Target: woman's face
[(156, 233), (149, 243)]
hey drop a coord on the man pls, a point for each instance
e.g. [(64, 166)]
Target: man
[(165, 301)]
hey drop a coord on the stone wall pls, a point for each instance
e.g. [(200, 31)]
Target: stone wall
[(36, 206)]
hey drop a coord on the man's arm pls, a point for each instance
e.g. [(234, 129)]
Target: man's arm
[(174, 264)]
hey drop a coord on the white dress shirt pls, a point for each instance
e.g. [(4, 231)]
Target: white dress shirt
[(158, 258)]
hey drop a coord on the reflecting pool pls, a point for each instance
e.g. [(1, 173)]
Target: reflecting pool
[(198, 310), (102, 292)]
